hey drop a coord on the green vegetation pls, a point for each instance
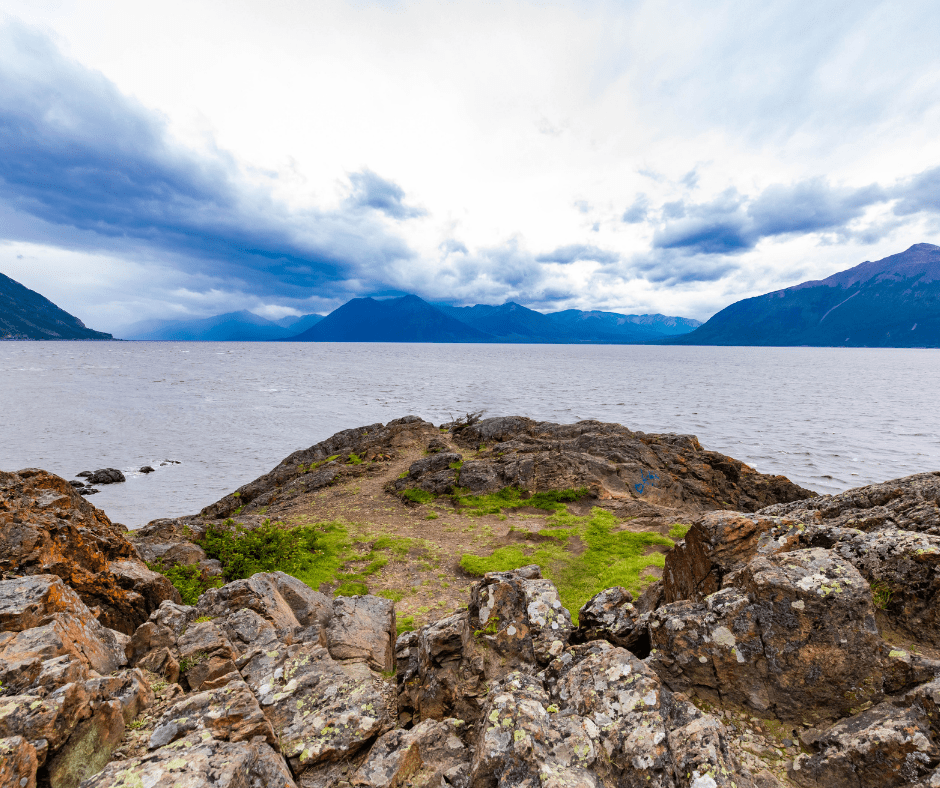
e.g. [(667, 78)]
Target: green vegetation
[(417, 496), (354, 459), (314, 465), (403, 475), (268, 548), (188, 663), (202, 619), (191, 581), (395, 596), (679, 530), (138, 724), (431, 516), (609, 558), (405, 624), (881, 594), (511, 498), (456, 466)]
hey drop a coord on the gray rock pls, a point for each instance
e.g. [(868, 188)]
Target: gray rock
[(363, 629), (197, 760), (791, 636), (106, 476), (229, 713)]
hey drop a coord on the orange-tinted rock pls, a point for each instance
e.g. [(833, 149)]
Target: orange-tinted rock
[(17, 763), (48, 528)]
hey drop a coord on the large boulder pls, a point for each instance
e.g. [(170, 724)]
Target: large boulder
[(882, 747), (430, 755), (363, 629), (520, 616), (45, 620), (323, 710), (47, 528), (199, 760), (792, 636), (441, 672), (229, 713)]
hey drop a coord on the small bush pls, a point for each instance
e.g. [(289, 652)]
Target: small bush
[(269, 548), (191, 581), (417, 496)]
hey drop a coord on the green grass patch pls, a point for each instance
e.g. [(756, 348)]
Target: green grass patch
[(391, 593), (511, 498), (354, 459), (417, 496), (314, 465), (405, 624), (610, 558), (351, 588), (268, 548), (679, 530), (191, 581)]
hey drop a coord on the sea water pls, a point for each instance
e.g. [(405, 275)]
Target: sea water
[(828, 418)]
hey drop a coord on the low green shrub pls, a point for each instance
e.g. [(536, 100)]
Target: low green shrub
[(191, 581), (268, 548)]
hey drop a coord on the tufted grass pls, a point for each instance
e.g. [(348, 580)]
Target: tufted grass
[(511, 498), (609, 557)]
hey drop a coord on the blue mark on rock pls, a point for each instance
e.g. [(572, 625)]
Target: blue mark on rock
[(648, 480)]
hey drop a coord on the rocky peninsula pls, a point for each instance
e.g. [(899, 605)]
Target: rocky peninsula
[(496, 602)]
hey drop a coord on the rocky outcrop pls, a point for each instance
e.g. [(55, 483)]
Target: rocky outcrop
[(47, 528)]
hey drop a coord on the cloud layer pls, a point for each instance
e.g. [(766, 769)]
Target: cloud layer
[(650, 157)]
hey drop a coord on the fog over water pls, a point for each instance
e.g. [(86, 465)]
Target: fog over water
[(828, 418)]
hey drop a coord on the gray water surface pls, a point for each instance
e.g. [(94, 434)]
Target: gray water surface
[(829, 418)]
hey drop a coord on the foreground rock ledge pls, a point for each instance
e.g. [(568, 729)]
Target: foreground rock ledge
[(792, 645)]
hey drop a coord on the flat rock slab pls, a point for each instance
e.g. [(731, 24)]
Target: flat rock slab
[(363, 629)]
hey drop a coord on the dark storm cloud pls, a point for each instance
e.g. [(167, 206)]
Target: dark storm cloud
[(372, 191), (733, 223), (77, 154), (574, 252)]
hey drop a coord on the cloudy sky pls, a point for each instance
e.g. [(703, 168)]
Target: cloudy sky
[(190, 158)]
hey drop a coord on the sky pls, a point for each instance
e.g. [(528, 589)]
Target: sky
[(184, 159)]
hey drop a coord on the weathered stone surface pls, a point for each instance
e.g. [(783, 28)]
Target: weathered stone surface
[(230, 713), (45, 722), (882, 747), (611, 616), (78, 635), (136, 578), (128, 688), (716, 543), (198, 762), (363, 628), (666, 470), (793, 636), (27, 602), (441, 672), (106, 476), (321, 709), (246, 630), (910, 504), (17, 763), (293, 474), (205, 653), (258, 593), (520, 616), (430, 755), (597, 716), (89, 747), (46, 527)]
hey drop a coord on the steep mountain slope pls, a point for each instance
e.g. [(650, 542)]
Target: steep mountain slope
[(240, 326), (405, 319), (25, 314), (894, 302)]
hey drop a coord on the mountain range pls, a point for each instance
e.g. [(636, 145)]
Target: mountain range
[(240, 326), (893, 302), (25, 314)]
